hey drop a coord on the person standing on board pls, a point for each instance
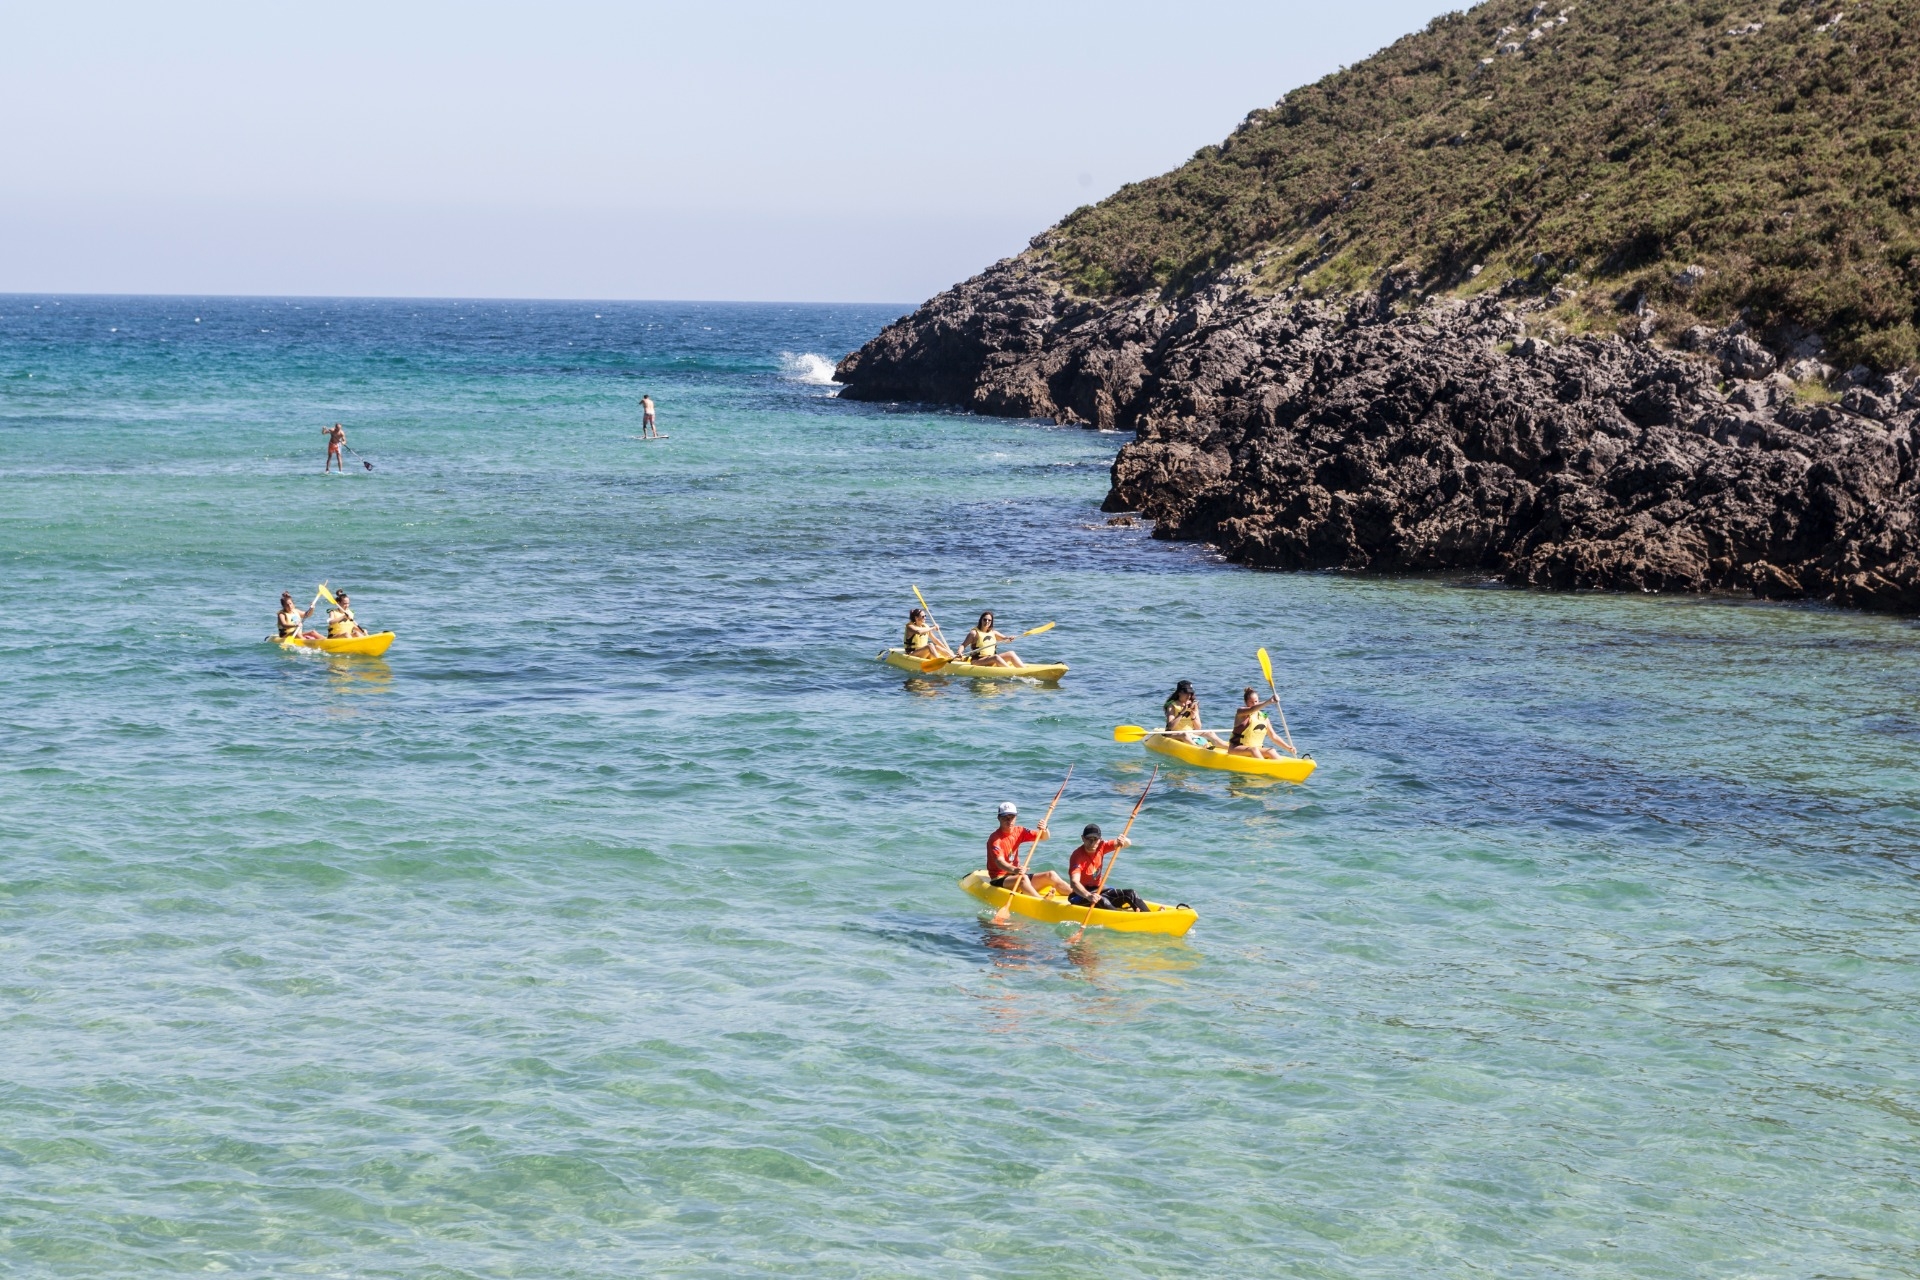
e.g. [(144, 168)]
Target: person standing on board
[(1003, 857), (336, 441), (647, 430)]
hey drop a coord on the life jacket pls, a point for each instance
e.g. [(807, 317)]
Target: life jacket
[(1252, 731), (980, 643), (340, 624)]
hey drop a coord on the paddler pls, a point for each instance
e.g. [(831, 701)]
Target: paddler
[(1182, 711), (341, 624), (1083, 868), (336, 440), (1251, 727), (1003, 857), (289, 619), (923, 638), (981, 645)]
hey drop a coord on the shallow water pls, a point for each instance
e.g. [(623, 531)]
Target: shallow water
[(608, 927)]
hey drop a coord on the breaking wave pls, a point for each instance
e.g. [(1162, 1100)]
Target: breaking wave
[(809, 368)]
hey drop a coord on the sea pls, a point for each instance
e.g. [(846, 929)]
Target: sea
[(609, 926)]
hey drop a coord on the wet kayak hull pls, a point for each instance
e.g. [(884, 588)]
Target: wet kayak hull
[(356, 646), (1167, 921), (1043, 671), (1287, 768)]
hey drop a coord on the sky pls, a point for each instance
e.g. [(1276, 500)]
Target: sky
[(858, 152)]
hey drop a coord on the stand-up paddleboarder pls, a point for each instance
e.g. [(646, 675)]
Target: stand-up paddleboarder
[(648, 431), (336, 441)]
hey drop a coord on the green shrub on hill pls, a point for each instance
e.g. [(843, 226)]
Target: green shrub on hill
[(1603, 145)]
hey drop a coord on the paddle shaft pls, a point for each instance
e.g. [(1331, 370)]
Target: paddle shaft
[(1108, 869), (1001, 913), (1266, 669)]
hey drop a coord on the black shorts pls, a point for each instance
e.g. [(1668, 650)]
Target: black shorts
[(1112, 900), (1007, 881)]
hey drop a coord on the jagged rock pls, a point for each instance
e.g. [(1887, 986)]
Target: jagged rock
[(1301, 434), (1742, 357)]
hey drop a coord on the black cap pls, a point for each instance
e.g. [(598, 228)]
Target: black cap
[(1091, 831), (1185, 686)]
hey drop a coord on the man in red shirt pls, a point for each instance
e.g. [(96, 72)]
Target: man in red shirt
[(1083, 868), (1003, 857)]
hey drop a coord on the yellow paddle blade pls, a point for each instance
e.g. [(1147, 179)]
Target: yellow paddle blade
[(932, 665), (1045, 626), (329, 596), (1129, 732), (1266, 666), (922, 599)]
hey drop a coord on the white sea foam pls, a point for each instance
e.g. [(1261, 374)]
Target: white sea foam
[(809, 368)]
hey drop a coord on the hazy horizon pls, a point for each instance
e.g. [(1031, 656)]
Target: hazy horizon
[(593, 151)]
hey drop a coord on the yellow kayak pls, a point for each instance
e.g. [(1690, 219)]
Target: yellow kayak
[(1047, 671), (1172, 921), (1287, 768), (359, 646)]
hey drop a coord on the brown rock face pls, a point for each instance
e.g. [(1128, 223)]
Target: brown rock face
[(1296, 434)]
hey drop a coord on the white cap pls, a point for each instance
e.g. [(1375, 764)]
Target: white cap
[(1007, 809)]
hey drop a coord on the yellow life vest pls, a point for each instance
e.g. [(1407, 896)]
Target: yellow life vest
[(340, 624), (980, 643), (1254, 732)]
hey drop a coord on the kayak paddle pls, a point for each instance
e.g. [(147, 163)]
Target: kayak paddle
[(923, 608), (1108, 869), (1266, 669), (932, 665), (1000, 916), (1131, 732)]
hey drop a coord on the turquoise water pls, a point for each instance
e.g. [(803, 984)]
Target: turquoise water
[(607, 927)]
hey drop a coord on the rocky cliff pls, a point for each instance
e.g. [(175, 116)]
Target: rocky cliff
[(1580, 418), (1299, 434)]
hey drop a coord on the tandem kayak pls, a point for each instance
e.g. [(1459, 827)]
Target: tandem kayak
[(1171, 921), (1044, 671), (1288, 768), (358, 646)]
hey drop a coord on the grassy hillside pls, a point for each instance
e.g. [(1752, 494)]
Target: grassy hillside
[(1602, 145)]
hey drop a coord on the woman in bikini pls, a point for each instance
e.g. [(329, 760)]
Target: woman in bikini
[(1182, 711), (289, 619), (981, 645), (1251, 727), (923, 638)]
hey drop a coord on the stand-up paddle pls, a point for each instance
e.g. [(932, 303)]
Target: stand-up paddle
[(1000, 915), (1108, 869), (356, 453)]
